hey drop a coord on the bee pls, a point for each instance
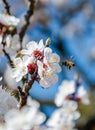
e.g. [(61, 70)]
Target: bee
[(68, 64)]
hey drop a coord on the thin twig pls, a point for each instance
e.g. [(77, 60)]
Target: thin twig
[(29, 13), (8, 57), (7, 7)]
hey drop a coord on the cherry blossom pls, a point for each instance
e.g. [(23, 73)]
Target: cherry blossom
[(69, 91), (34, 49), (8, 20), (21, 67), (82, 93), (7, 102), (43, 59), (52, 60), (66, 88), (64, 118), (47, 76), (27, 118)]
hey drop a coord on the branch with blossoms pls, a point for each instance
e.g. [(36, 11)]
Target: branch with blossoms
[(64, 117), (8, 28), (40, 63)]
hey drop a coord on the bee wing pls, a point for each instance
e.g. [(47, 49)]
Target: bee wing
[(72, 58)]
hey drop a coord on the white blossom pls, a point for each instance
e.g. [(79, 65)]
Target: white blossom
[(8, 20), (66, 88), (64, 118), (33, 48), (21, 67), (51, 60), (12, 42), (1, 78), (82, 93), (1, 37), (47, 76), (7, 102), (26, 119), (69, 109)]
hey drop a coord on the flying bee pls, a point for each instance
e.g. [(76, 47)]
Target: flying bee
[(68, 64)]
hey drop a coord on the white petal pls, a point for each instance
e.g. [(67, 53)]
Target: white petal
[(14, 72), (18, 78), (54, 78), (32, 45), (55, 67), (55, 58), (59, 100), (1, 78), (85, 101), (17, 61), (76, 115), (47, 51), (25, 52), (40, 65), (1, 37), (8, 40), (24, 71), (41, 45), (40, 118), (44, 84), (9, 20)]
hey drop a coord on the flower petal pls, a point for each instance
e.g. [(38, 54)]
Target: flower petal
[(41, 45), (25, 52)]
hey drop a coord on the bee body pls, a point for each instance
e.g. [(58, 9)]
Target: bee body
[(68, 64)]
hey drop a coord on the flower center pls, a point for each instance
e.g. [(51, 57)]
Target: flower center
[(31, 67), (1, 28), (1, 31), (44, 66), (73, 97), (37, 54)]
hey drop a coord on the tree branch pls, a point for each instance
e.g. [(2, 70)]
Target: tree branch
[(7, 7), (9, 58), (23, 94), (29, 13)]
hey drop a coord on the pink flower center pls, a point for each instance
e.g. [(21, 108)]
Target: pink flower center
[(45, 66), (75, 98), (31, 67), (37, 54), (78, 99), (1, 28), (1, 31)]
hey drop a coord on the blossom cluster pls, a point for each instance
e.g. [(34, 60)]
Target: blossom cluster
[(7, 23), (38, 57), (64, 118), (6, 103), (69, 90), (28, 118)]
